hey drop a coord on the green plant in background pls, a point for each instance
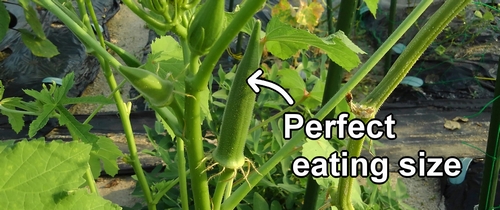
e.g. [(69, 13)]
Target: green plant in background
[(176, 67)]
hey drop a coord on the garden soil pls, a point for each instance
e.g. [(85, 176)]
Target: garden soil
[(130, 33)]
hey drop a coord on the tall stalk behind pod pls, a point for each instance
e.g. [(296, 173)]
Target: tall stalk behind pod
[(491, 162), (333, 82)]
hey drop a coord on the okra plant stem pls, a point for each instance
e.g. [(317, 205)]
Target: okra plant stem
[(85, 18), (194, 140), (144, 15), (438, 21), (296, 140), (224, 179), (181, 165), (90, 181), (103, 55)]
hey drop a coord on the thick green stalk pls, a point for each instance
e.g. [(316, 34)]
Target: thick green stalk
[(194, 140), (296, 140), (333, 82), (398, 71), (490, 174), (246, 12)]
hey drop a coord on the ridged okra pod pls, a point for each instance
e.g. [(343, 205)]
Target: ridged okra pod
[(157, 91), (239, 108)]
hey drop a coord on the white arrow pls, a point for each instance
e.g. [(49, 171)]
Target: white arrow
[(254, 82)]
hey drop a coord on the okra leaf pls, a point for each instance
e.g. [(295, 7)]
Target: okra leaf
[(259, 202), (32, 19), (77, 129), (107, 153), (62, 91), (372, 6), (15, 119), (82, 199), (43, 96), (41, 119), (291, 188), (320, 148), (6, 144), (275, 205), (40, 47), (291, 79), (315, 95), (35, 174), (165, 60), (220, 94), (283, 41), (4, 25)]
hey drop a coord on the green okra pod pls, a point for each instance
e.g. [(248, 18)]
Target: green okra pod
[(206, 27), (157, 91), (239, 108)]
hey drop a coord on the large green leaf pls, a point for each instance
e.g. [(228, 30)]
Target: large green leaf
[(40, 47), (35, 174), (82, 199), (283, 41)]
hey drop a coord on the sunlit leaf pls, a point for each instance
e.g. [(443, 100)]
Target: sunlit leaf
[(283, 41)]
